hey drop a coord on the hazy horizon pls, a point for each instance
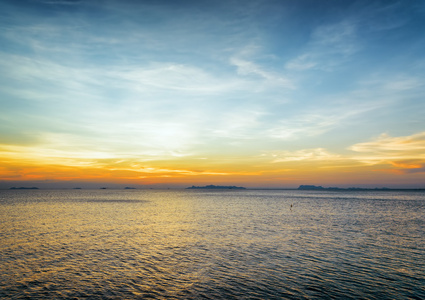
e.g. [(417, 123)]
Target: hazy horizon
[(264, 94), (101, 185)]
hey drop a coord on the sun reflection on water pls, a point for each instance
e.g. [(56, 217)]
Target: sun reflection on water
[(193, 244)]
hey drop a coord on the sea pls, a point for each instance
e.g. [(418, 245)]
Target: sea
[(212, 244)]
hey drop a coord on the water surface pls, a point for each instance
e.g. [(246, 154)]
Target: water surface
[(199, 244)]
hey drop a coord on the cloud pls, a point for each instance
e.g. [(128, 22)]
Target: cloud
[(386, 144), (245, 68), (317, 154), (365, 107), (405, 153), (61, 2), (310, 124), (335, 37), (329, 46), (415, 170), (177, 77), (389, 16), (301, 126), (303, 62), (241, 124), (393, 83), (157, 105)]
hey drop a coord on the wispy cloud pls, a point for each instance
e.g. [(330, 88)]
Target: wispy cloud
[(304, 124), (246, 68), (388, 144), (329, 46), (178, 77), (393, 83), (317, 154), (405, 153), (61, 2)]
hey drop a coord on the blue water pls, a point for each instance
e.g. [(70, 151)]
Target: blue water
[(199, 244)]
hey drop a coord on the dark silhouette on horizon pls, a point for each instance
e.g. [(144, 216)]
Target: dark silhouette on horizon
[(319, 187), (217, 187), (24, 188)]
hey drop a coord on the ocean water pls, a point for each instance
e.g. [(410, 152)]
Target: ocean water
[(199, 244)]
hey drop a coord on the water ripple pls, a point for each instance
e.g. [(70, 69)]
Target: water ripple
[(194, 245)]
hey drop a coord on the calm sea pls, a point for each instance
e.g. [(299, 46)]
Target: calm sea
[(199, 244)]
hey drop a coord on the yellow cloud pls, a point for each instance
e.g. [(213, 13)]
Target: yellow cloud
[(385, 144), (317, 154), (404, 153), (407, 164)]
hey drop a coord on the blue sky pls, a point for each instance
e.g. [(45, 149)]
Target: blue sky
[(162, 85)]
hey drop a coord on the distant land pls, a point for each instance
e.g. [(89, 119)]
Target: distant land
[(303, 187), (222, 187), (315, 187)]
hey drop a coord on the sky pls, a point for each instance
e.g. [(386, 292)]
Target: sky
[(254, 93)]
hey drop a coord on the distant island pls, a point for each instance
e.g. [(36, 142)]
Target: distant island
[(24, 188), (315, 187), (221, 187)]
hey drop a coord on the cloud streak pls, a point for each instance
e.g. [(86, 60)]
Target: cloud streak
[(329, 46), (404, 153)]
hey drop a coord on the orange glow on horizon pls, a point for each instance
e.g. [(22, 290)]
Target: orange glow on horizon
[(289, 174), (384, 161)]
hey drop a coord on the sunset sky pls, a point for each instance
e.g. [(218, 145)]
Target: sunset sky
[(174, 93)]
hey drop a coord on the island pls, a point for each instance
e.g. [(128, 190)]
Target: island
[(314, 187), (221, 187), (310, 187), (24, 188)]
